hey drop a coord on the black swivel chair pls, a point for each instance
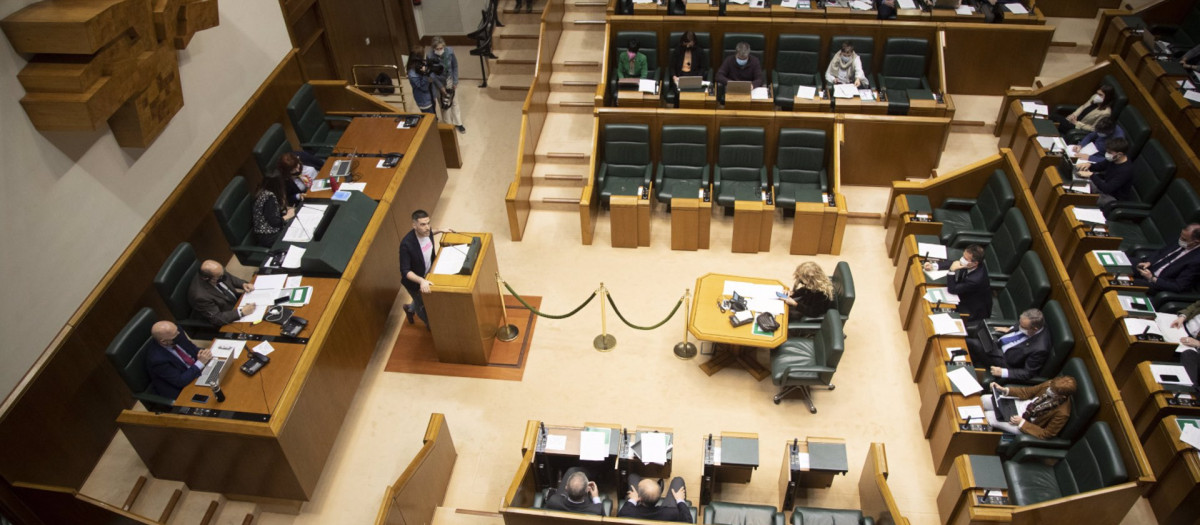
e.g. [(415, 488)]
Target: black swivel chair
[(1143, 232), (313, 127), (127, 353)]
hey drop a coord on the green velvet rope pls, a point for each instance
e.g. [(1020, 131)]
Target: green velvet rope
[(537, 312), (631, 325)]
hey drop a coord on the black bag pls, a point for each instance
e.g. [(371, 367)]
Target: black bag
[(447, 100), (766, 322), (383, 81)]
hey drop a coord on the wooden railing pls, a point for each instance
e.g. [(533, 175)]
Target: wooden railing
[(420, 490), (533, 118)]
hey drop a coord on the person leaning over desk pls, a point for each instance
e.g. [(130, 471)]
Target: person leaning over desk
[(173, 361), (576, 494), (1106, 129), (269, 212), (812, 292), (1045, 415), (968, 279), (214, 294), (741, 66)]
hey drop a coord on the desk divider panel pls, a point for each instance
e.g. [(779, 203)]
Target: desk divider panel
[(421, 488), (973, 66), (880, 150)]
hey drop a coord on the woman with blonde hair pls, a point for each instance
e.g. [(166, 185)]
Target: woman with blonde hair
[(812, 293)]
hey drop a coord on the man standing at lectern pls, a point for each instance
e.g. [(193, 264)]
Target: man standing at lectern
[(416, 258)]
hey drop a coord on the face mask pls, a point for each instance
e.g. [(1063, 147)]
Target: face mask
[(439, 52), (1028, 333), (963, 261), (742, 61), (1183, 243), (631, 54), (846, 58), (1111, 157), (1096, 99)]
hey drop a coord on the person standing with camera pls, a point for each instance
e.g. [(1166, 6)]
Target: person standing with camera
[(447, 82), (422, 79)]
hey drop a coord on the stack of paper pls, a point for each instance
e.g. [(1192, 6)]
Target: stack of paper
[(293, 257), (353, 186), (1192, 95), (1089, 149), (1112, 257), (593, 445), (751, 290), (964, 381), (907, 4), (760, 93), (654, 448), (1171, 335), (936, 251), (790, 4), (1191, 436), (971, 413), (861, 5), (1092, 215), (946, 324), (648, 85), (1135, 326), (556, 442), (866, 95), (1035, 107), (1016, 8), (806, 92), (264, 348), (965, 10), (940, 296), (450, 260), (304, 225), (226, 348), (844, 90)]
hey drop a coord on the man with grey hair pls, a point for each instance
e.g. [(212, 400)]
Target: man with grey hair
[(1020, 353), (576, 494), (741, 66)]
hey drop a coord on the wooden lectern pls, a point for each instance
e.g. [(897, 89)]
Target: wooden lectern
[(464, 310)]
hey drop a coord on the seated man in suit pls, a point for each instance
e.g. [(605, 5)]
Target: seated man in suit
[(643, 501), (214, 294), (173, 360), (1047, 412), (1023, 349), (968, 279), (1175, 267), (576, 494), (741, 66)]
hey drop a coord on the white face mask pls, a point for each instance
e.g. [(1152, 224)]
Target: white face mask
[(1028, 333), (1183, 243), (439, 52), (963, 261), (1096, 99), (742, 61), (1110, 156)]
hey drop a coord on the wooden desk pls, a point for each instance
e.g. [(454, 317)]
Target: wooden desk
[(961, 499), (913, 283), (369, 136), (731, 457), (951, 436), (1051, 196), (901, 224), (814, 227), (1092, 280), (464, 310), (922, 340), (857, 105), (1074, 240), (745, 102), (1033, 158), (638, 99), (1122, 350), (697, 100), (323, 288), (629, 462), (690, 223), (823, 459), (629, 216), (1148, 402), (1177, 469), (550, 463), (257, 394), (816, 104), (732, 345), (934, 386), (752, 222)]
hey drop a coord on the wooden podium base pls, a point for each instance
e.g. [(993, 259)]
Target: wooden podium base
[(414, 351)]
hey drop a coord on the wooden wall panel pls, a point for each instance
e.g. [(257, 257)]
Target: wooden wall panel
[(976, 66), (879, 150)]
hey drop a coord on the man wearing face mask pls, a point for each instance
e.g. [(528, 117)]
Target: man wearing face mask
[(1112, 177), (845, 68), (1175, 267), (1044, 416), (631, 63), (968, 279), (1022, 350), (1106, 130), (741, 66)]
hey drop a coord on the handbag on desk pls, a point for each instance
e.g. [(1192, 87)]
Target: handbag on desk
[(766, 322)]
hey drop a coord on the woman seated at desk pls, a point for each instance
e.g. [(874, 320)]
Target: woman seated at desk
[(1189, 321), (631, 63), (1046, 413), (845, 68), (812, 293), (1084, 118), (300, 175), (689, 59), (269, 212)]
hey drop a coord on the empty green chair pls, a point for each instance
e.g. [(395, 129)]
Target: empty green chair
[(626, 160), (797, 63), (799, 170), (1028, 288), (127, 353), (233, 211), (819, 516), (864, 46), (903, 68), (801, 363), (1184, 36), (683, 164), (1042, 474), (172, 282), (1084, 405), (312, 125), (1143, 232), (1137, 130), (757, 42), (972, 218), (723, 513), (1062, 342), (1004, 247), (270, 148), (740, 173), (1153, 170)]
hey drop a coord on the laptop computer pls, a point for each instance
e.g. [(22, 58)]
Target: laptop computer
[(629, 84), (945, 4), (739, 87), (690, 83), (214, 372), (989, 343)]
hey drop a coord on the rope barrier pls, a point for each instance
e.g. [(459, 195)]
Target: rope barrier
[(631, 325), (543, 314), (588, 301)]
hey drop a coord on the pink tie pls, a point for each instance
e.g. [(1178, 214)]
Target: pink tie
[(187, 359)]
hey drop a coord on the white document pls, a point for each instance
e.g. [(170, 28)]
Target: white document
[(654, 448), (593, 445), (1089, 150), (790, 4), (760, 93), (973, 413), (305, 223), (1047, 143), (1171, 335), (936, 251), (907, 4), (293, 257), (556, 442), (1158, 371), (227, 348), (844, 90), (940, 295), (806, 92), (1016, 9), (1080, 187), (1092, 215), (293, 281), (353, 186), (860, 5), (1127, 303), (1035, 108), (752, 291), (648, 85), (1185, 84), (261, 299), (965, 10), (772, 306), (935, 275), (866, 95), (264, 348), (1135, 326), (451, 260), (1192, 95), (951, 356), (270, 282), (946, 324), (1112, 257), (964, 381), (802, 460), (1191, 436)]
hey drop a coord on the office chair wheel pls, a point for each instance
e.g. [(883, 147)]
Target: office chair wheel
[(812, 410), (831, 387), (778, 399)]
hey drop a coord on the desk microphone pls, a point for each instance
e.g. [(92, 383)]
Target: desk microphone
[(795, 445)]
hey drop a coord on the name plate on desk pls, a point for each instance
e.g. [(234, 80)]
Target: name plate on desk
[(1184, 400), (974, 427), (991, 500)]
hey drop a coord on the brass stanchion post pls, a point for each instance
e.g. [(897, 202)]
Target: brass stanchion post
[(605, 341), (685, 349), (507, 332)]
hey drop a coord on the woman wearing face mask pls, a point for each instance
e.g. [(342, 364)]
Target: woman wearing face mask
[(631, 63), (1045, 414), (447, 82), (1084, 118), (689, 59), (845, 68), (812, 293)]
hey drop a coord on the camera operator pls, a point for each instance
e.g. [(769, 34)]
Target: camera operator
[(421, 76)]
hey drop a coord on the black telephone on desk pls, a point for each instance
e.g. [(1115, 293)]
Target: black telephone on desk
[(254, 363), (392, 159), (293, 326)]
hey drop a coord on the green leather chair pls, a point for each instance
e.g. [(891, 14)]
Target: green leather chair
[(797, 63), (1137, 130), (903, 66), (233, 211), (722, 513), (1004, 247), (1084, 405), (843, 300), (969, 218), (864, 46), (1184, 36), (312, 125), (1027, 288), (799, 170), (683, 162), (540, 497), (1153, 170), (801, 363), (1173, 302), (172, 282), (127, 353), (818, 516), (648, 45), (758, 46), (704, 41), (1062, 342), (1145, 231), (626, 163), (270, 148), (1040, 474), (740, 170)]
